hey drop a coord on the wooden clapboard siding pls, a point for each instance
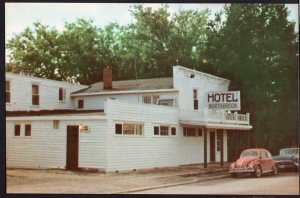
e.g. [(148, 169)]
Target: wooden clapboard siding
[(46, 147), (21, 93)]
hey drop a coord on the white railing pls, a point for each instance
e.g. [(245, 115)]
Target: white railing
[(215, 117)]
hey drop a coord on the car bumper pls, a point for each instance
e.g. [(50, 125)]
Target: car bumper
[(286, 164), (241, 170)]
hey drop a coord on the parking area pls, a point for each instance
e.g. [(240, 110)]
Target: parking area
[(77, 182)]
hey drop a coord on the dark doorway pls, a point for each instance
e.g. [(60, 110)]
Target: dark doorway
[(72, 147), (212, 147)]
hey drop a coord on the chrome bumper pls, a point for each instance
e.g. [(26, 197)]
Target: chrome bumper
[(241, 170)]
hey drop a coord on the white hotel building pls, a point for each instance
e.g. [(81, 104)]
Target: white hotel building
[(117, 125)]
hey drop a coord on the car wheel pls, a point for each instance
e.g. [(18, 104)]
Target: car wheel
[(257, 172), (233, 174), (275, 169)]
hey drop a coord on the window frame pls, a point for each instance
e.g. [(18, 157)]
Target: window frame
[(25, 130), (175, 128), (19, 126), (196, 99), (61, 94), (191, 131), (152, 99), (135, 126), (56, 124), (167, 100), (7, 91), (35, 96), (79, 106)]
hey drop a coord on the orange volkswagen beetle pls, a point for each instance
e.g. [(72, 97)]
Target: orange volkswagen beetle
[(255, 161)]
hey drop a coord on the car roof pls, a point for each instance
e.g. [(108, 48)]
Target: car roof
[(256, 149)]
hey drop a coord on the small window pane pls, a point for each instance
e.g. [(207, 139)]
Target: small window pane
[(139, 130), (156, 130), (195, 94), (164, 130), (61, 94), (173, 132), (147, 99), (118, 129), (80, 104), (27, 130), (155, 99), (55, 124), (35, 89), (128, 129), (17, 130)]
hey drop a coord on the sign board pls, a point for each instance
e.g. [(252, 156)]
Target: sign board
[(229, 100)]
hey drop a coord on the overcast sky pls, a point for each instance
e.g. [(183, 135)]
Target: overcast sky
[(18, 16)]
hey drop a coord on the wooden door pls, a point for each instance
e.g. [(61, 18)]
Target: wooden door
[(72, 147)]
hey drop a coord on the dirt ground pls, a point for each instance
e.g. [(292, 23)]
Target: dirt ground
[(77, 182)]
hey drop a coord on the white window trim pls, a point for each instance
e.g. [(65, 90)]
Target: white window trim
[(129, 135), (159, 132), (38, 84), (64, 96)]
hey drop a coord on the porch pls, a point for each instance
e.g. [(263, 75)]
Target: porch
[(214, 117)]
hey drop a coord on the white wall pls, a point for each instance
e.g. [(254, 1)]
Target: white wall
[(202, 82), (147, 151), (97, 102), (21, 93), (46, 147)]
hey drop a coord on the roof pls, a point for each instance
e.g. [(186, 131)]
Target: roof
[(140, 84), (51, 112)]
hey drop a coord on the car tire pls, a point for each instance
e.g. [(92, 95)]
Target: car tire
[(257, 172), (275, 169), (233, 174)]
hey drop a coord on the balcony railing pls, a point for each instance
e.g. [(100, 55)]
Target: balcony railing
[(210, 116)]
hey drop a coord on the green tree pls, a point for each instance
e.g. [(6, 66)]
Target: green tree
[(256, 48), (36, 51)]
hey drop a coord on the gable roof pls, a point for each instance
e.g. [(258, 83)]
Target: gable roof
[(123, 85)]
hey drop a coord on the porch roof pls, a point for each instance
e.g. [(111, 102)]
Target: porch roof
[(217, 125)]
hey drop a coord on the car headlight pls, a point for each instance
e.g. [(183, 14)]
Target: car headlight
[(250, 165)]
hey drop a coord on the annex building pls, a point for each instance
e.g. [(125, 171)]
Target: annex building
[(119, 125)]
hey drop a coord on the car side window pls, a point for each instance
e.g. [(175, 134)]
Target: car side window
[(263, 154), (269, 154)]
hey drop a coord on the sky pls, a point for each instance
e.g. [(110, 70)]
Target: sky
[(18, 16)]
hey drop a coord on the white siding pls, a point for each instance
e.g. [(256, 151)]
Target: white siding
[(97, 102), (202, 82), (148, 151), (46, 147), (21, 93)]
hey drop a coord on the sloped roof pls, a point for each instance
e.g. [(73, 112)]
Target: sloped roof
[(140, 84)]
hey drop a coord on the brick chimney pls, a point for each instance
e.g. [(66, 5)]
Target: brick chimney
[(107, 78)]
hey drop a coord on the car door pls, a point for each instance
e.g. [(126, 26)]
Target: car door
[(264, 161)]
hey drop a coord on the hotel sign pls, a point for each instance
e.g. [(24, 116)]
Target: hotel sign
[(229, 100)]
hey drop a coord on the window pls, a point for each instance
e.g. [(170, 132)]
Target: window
[(118, 128), (80, 104), (27, 130), (164, 130), (195, 96), (55, 124), (156, 130), (129, 129), (62, 94), (219, 139), (7, 91), (166, 102), (35, 95), (189, 131), (17, 130), (263, 154), (161, 130), (173, 131), (150, 99)]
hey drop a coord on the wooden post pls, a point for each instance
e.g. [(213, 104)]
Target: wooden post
[(221, 145), (205, 147)]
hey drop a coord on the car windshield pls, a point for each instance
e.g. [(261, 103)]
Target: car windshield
[(249, 154), (289, 151)]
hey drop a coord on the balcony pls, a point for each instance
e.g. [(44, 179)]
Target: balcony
[(218, 117)]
